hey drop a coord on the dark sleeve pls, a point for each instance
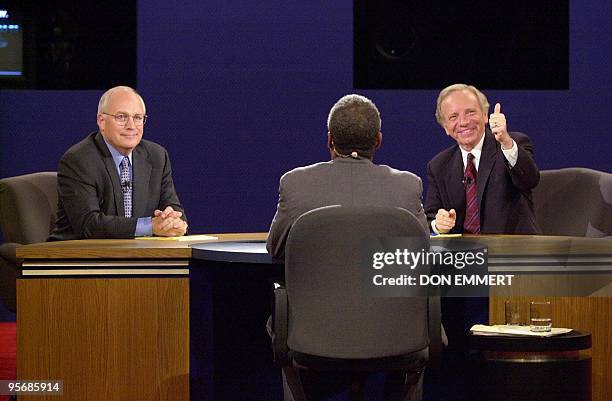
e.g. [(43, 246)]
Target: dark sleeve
[(433, 201), (81, 190), (168, 195), (525, 173)]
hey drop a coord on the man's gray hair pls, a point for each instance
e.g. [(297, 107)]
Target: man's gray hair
[(106, 96), (482, 99), (354, 124)]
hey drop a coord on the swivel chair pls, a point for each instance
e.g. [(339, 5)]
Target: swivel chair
[(325, 320), (574, 202), (28, 207)]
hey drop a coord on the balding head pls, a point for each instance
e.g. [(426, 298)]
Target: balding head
[(108, 94)]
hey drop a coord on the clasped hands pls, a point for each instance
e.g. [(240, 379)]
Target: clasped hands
[(168, 223)]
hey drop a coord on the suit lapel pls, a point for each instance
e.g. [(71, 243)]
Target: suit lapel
[(487, 161), (453, 180), (112, 172), (142, 173)]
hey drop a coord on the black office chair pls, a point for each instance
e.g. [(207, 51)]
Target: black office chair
[(574, 202), (324, 320), (28, 207)]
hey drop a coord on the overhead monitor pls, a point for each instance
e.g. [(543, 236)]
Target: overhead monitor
[(11, 45)]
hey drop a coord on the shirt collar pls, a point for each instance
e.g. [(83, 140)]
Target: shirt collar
[(476, 151), (117, 157)]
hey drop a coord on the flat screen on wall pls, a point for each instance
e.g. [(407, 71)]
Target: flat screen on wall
[(67, 44), (410, 44), (11, 45)]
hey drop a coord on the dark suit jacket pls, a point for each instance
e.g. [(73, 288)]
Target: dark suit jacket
[(90, 201), (341, 182), (504, 193)]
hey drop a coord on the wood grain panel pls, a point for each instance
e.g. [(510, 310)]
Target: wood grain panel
[(108, 339), (122, 248), (592, 314)]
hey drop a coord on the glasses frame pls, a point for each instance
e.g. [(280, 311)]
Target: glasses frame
[(115, 116)]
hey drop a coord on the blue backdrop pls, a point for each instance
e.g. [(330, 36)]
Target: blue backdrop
[(239, 92)]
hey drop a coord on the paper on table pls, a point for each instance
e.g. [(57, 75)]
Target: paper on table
[(504, 330), (182, 238)]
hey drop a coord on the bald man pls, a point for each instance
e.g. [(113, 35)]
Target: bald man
[(114, 184)]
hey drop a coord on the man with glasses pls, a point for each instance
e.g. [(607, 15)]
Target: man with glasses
[(114, 184)]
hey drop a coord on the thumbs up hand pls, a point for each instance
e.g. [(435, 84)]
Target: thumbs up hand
[(497, 121)]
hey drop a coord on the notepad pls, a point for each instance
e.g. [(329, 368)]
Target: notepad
[(505, 330), (181, 238)]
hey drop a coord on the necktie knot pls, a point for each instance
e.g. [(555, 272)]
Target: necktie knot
[(470, 168), (125, 162)]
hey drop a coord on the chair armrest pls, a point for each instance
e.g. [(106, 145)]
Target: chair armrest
[(279, 327), (10, 270), (437, 336), (8, 252)]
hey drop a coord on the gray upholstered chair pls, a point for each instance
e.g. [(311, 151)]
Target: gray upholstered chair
[(324, 319), (28, 206), (575, 202)]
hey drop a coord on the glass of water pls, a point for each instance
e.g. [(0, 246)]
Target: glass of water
[(540, 314), (512, 311)]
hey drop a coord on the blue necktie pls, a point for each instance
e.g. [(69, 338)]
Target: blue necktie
[(126, 186)]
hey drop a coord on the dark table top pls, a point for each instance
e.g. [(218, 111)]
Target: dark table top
[(234, 251), (572, 341)]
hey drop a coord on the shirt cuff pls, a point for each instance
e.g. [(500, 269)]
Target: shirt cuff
[(433, 227), (144, 227), (511, 154)]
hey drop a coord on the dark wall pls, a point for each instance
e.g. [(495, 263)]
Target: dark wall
[(239, 93)]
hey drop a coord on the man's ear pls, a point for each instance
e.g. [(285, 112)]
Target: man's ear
[(378, 143), (330, 141), (100, 121)]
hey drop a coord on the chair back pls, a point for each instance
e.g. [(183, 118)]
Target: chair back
[(330, 313), (28, 207), (574, 202)]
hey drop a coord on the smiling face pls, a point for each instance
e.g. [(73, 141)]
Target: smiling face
[(463, 118), (123, 137)]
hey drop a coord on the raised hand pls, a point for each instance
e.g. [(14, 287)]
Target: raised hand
[(497, 122)]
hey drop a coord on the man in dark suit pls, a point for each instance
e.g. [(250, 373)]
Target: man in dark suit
[(483, 183), (480, 185), (114, 184)]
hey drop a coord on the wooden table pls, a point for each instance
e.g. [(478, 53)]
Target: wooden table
[(530, 368), (108, 317)]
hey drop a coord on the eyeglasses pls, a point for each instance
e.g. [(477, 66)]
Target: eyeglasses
[(122, 118)]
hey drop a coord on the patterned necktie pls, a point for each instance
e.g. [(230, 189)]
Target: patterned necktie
[(471, 224), (126, 186)]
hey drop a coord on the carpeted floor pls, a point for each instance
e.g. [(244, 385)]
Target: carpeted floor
[(8, 353)]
